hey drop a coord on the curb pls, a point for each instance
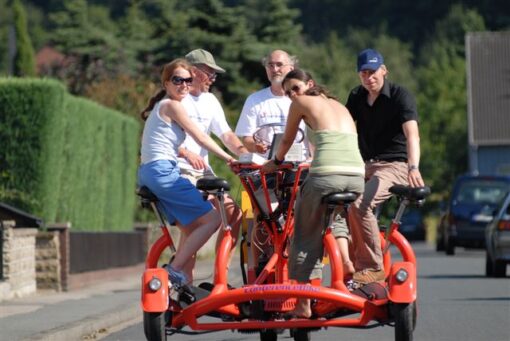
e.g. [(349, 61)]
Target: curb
[(112, 319), (90, 325)]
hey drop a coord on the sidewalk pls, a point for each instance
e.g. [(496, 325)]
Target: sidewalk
[(75, 314)]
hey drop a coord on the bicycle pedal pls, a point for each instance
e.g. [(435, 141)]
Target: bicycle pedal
[(186, 295)]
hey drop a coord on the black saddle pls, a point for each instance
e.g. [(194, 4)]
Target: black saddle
[(340, 198), (208, 184), (411, 193), (146, 194)]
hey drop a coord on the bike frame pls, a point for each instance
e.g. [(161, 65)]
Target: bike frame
[(272, 284)]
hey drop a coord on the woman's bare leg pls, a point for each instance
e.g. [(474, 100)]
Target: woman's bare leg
[(343, 246), (197, 233)]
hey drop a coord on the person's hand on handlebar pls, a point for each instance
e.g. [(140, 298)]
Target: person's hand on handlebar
[(269, 167), (234, 165), (261, 148)]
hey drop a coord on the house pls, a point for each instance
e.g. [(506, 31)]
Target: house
[(488, 83)]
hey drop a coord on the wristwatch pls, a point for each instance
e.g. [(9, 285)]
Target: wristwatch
[(278, 162), (412, 167)]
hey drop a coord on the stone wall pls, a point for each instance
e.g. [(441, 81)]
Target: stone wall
[(47, 255), (18, 261)]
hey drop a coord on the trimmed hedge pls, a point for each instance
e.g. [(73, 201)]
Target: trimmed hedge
[(66, 158)]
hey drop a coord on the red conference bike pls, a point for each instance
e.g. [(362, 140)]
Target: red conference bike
[(261, 304)]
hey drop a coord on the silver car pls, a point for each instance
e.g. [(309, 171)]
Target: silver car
[(497, 239)]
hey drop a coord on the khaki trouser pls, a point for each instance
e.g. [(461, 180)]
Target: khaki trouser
[(307, 248), (380, 175)]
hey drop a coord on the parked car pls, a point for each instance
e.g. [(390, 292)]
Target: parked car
[(472, 205), (497, 241), (412, 225)]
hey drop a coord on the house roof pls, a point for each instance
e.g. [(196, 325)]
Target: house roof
[(22, 218)]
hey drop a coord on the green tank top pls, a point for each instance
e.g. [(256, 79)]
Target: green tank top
[(335, 153)]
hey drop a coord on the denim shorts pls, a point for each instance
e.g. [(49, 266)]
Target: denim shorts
[(178, 198)]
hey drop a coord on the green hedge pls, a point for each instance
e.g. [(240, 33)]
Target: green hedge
[(66, 158)]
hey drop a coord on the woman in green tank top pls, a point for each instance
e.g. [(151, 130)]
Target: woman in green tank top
[(336, 166)]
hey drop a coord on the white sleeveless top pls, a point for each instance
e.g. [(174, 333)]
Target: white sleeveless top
[(160, 140)]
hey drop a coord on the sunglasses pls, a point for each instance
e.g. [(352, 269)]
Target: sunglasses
[(176, 80), (294, 89)]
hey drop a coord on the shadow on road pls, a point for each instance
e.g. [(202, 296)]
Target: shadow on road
[(453, 276)]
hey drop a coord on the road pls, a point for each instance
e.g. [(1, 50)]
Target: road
[(455, 302)]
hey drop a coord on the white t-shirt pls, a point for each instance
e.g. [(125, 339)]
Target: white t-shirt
[(261, 108), (206, 111)]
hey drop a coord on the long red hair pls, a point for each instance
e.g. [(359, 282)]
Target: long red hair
[(167, 72)]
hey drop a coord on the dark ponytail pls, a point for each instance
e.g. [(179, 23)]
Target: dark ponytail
[(152, 102), (318, 90)]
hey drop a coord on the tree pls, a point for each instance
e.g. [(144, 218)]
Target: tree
[(442, 99), (273, 22), (209, 25), (332, 64), (24, 60), (135, 32), (88, 37)]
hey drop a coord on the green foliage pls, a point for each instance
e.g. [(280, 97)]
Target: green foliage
[(24, 60), (135, 32), (273, 22), (65, 158), (114, 52), (123, 93), (331, 64), (100, 150), (4, 37), (89, 38), (442, 99), (30, 117)]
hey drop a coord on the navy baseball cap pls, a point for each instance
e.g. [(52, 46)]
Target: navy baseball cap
[(369, 59)]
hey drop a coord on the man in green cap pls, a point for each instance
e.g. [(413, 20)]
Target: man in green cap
[(205, 110)]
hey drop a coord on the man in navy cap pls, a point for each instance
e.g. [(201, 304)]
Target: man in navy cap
[(387, 122)]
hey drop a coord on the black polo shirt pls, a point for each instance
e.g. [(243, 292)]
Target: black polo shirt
[(380, 133)]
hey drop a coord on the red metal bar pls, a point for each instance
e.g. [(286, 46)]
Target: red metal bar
[(155, 252), (270, 291)]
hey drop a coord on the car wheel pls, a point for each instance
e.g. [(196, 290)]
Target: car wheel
[(489, 266), (499, 268), (450, 246), (439, 242)]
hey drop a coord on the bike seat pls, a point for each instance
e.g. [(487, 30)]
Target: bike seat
[(146, 193), (339, 198), (411, 193), (212, 183)]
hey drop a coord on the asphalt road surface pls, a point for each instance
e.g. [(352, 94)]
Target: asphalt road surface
[(455, 302)]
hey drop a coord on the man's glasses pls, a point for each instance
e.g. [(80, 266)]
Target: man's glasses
[(278, 65), (294, 89), (176, 80), (210, 75)]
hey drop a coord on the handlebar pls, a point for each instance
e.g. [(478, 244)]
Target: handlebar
[(238, 167)]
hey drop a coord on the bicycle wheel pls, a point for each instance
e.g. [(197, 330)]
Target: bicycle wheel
[(154, 325), (405, 320)]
